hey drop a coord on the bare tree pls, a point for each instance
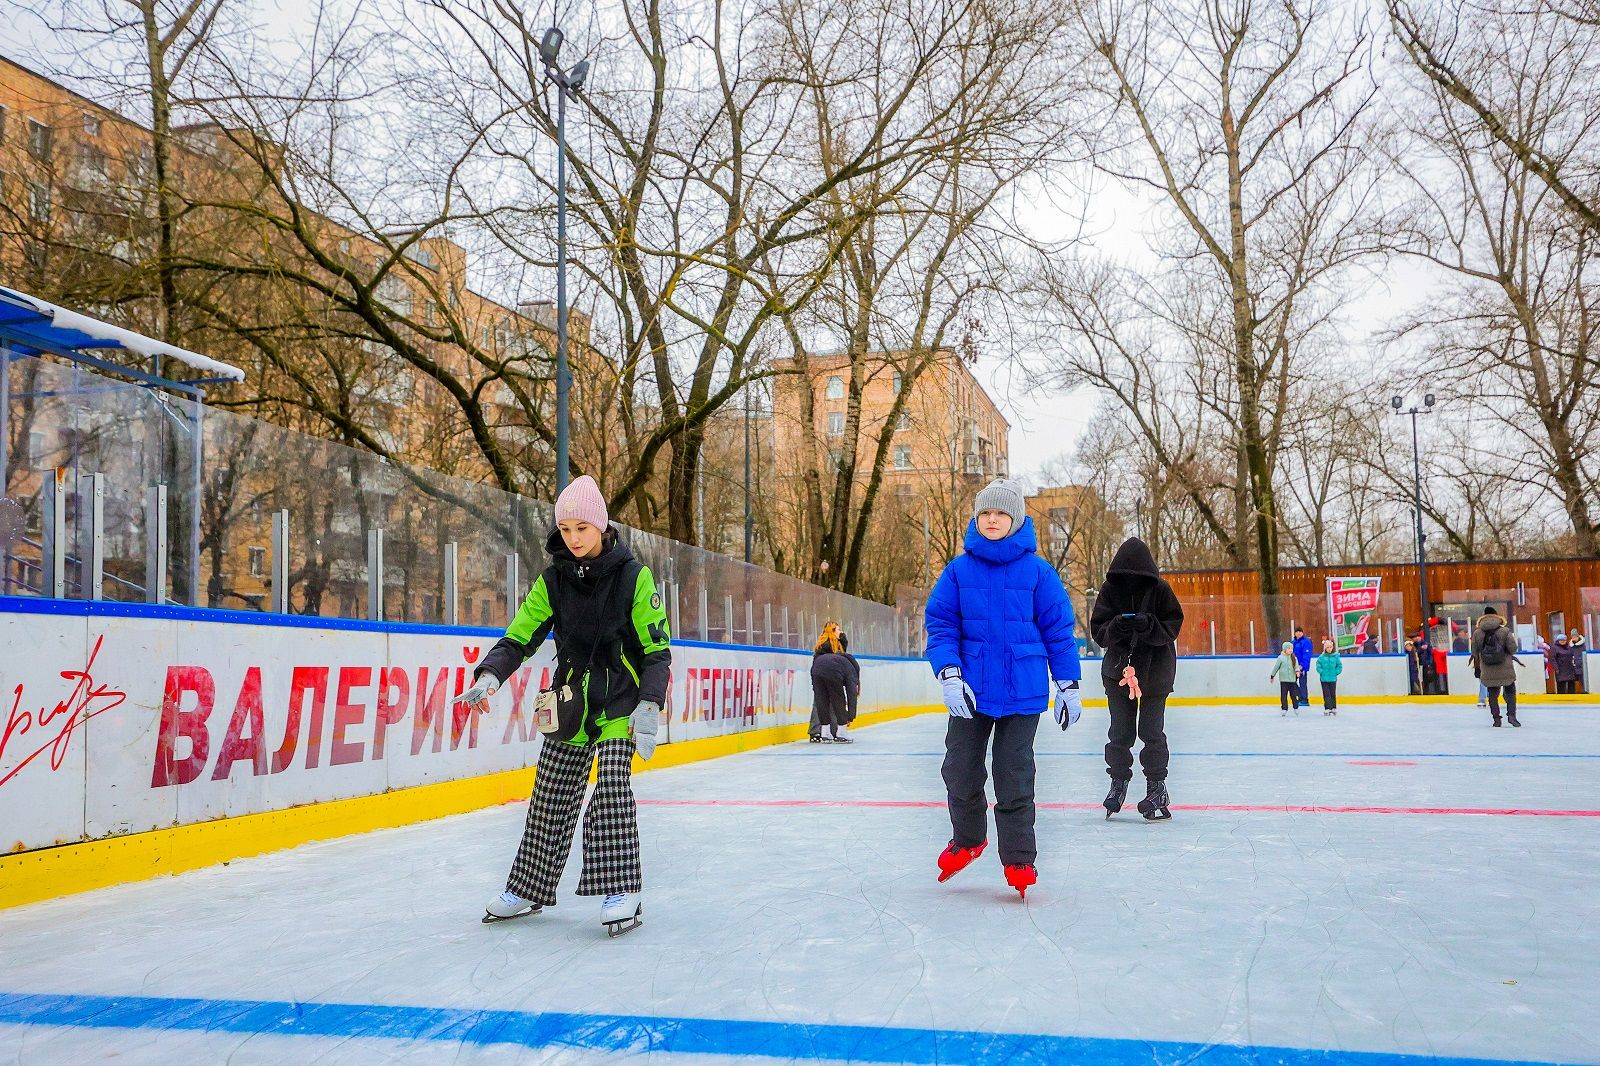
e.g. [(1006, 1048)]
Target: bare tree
[(1514, 332), (1250, 122)]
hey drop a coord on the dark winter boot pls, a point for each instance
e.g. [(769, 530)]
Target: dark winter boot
[(955, 858), (1497, 721), (1022, 876), (1156, 803), (1116, 797), (1511, 716)]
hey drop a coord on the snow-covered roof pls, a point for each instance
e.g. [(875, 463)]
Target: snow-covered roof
[(27, 319)]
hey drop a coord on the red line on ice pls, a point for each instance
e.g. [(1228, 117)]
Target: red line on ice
[(1279, 808)]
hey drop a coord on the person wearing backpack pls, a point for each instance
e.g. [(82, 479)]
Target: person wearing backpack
[(1494, 660)]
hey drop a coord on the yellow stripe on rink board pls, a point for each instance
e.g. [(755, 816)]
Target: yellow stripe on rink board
[(48, 873)]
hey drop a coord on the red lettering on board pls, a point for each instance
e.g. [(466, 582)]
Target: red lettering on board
[(391, 709), (236, 745), (347, 714), (178, 723), (79, 706)]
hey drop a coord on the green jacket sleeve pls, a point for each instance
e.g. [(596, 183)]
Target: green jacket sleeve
[(527, 631), (652, 639)]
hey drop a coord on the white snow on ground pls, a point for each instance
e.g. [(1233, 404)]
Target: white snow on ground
[(1429, 934)]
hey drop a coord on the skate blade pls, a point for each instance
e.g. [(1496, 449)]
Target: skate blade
[(491, 919), (1160, 814), (627, 925)]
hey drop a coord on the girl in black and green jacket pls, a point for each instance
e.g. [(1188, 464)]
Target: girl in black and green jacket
[(613, 655)]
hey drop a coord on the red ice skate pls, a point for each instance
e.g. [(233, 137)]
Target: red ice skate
[(954, 859), (1021, 877)]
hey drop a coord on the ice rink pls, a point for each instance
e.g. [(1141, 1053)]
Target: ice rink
[(1394, 885)]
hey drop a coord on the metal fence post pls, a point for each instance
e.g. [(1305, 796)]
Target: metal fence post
[(375, 575), (451, 612), (705, 614), (786, 638), (1213, 628), (749, 622), (279, 573), (768, 620), (727, 619), (92, 496), (513, 585), (155, 544), (1252, 636), (55, 534)]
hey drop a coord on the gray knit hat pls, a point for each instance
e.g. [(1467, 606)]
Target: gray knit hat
[(1002, 495)]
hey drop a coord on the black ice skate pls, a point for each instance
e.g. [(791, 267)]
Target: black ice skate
[(1156, 804), (1116, 797)]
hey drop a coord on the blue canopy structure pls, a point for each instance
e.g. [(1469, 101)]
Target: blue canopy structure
[(31, 326)]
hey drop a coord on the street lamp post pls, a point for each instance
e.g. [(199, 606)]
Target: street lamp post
[(566, 82), (1398, 403)]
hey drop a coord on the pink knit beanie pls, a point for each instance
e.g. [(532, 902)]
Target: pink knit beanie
[(581, 500)]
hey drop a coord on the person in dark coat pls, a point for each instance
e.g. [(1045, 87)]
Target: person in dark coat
[(1413, 667), (1568, 664), (832, 678), (1136, 618), (855, 686), (1427, 665)]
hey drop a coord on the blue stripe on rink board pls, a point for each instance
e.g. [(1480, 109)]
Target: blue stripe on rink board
[(625, 1034)]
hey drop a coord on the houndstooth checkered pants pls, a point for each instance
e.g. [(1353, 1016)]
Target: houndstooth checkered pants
[(610, 824)]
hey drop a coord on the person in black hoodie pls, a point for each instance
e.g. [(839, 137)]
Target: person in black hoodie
[(1136, 619)]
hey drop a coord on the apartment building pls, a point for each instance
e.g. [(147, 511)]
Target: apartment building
[(945, 439)]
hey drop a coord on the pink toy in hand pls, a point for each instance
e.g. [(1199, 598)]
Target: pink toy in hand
[(1130, 681)]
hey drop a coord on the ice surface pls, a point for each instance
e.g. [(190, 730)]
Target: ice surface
[(796, 885)]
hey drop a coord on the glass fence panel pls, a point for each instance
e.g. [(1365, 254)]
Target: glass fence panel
[(228, 476)]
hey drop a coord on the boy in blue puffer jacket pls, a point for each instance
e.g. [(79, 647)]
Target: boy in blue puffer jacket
[(999, 626)]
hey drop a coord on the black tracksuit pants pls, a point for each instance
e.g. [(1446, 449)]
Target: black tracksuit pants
[(830, 709), (1147, 720), (966, 742)]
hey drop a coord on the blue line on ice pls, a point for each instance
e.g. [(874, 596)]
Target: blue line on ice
[(633, 1035)]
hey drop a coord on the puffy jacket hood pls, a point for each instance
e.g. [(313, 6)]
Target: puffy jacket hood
[(1008, 549), (1134, 558), (1490, 622)]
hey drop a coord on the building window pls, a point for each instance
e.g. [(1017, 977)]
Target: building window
[(902, 457), (39, 202), (904, 421), (836, 388), (483, 612), (39, 139), (258, 562), (91, 125), (899, 382), (36, 449), (836, 424)]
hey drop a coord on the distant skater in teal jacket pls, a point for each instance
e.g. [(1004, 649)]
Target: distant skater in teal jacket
[(1329, 666)]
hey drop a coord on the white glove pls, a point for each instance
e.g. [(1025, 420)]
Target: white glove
[(959, 699), (642, 726), (477, 697), (1069, 703)]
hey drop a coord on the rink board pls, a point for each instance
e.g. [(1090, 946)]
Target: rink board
[(123, 719)]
